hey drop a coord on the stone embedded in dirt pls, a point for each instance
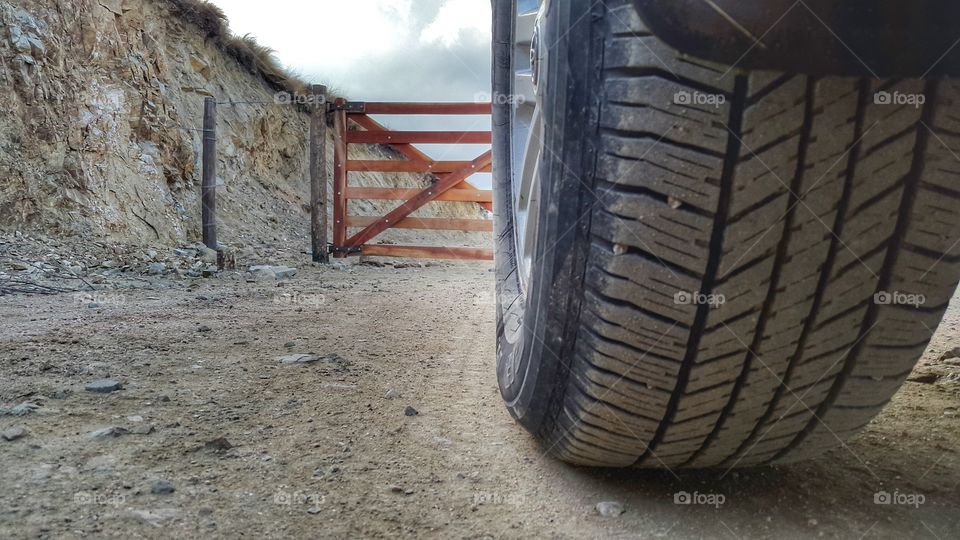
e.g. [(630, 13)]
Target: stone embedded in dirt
[(410, 411), (107, 433), (103, 386), (276, 272), (13, 433), (203, 328), (951, 354), (207, 255), (924, 378), (162, 487), (218, 445), (22, 409), (299, 359), (145, 429), (609, 509), (392, 394), (156, 269)]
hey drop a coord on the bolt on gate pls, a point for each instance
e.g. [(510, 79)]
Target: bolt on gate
[(450, 185)]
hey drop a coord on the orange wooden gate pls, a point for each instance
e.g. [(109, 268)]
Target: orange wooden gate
[(450, 182)]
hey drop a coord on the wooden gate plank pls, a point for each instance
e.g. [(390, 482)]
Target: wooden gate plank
[(444, 184)]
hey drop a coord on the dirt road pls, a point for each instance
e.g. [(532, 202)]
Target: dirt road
[(252, 447)]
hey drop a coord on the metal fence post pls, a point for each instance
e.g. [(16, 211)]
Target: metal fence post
[(208, 188), (318, 174)]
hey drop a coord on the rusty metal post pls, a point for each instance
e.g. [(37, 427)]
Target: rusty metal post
[(318, 174), (208, 187)]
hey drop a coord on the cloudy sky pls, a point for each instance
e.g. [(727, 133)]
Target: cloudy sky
[(382, 50), (377, 49)]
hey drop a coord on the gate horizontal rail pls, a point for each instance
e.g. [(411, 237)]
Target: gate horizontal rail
[(450, 183)]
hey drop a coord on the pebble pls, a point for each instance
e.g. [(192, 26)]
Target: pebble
[(156, 269), (203, 328), (145, 429), (609, 509), (108, 433), (410, 411), (392, 394), (14, 433), (218, 445), (103, 386), (162, 487), (299, 359)]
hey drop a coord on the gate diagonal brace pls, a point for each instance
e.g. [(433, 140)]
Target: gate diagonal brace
[(429, 193)]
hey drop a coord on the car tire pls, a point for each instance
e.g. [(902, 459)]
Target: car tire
[(733, 268)]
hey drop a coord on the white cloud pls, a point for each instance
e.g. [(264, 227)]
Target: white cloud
[(456, 20)]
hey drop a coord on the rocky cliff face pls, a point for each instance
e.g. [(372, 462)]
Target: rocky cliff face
[(102, 103)]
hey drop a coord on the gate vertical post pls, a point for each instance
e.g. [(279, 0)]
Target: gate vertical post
[(318, 174), (208, 186), (340, 179)]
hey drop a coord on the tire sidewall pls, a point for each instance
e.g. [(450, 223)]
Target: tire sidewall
[(536, 328)]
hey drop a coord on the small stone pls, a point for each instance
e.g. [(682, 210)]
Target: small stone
[(22, 409), (812, 522), (313, 510), (392, 394), (164, 399), (218, 445), (952, 353), (442, 441), (156, 269), (299, 359), (924, 378), (208, 255), (14, 433), (410, 411), (674, 203), (203, 328), (275, 272), (104, 386), (107, 433), (162, 487), (145, 429), (619, 249), (609, 509), (290, 344)]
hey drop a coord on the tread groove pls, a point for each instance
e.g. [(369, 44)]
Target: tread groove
[(713, 266)]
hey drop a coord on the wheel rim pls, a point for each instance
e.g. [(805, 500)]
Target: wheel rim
[(527, 135)]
